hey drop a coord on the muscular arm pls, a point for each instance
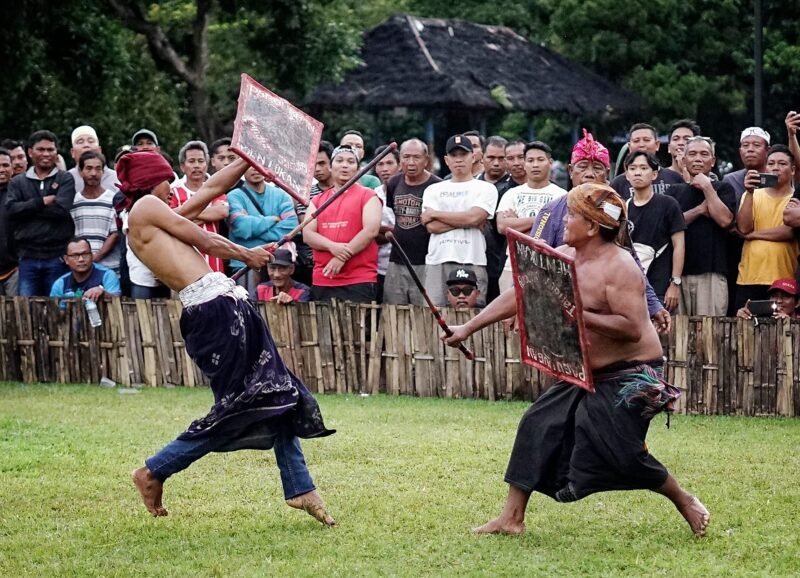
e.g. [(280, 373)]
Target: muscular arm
[(470, 219), (438, 227), (370, 226), (312, 237), (779, 233), (501, 308), (219, 184), (108, 244), (151, 212), (791, 214), (744, 218), (522, 224), (692, 215), (213, 213), (678, 253), (716, 208)]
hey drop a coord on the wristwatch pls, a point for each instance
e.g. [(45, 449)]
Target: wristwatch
[(675, 280)]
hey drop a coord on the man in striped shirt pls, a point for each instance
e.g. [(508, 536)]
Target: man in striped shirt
[(93, 212), (193, 158)]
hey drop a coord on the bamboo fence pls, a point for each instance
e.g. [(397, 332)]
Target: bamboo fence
[(724, 366)]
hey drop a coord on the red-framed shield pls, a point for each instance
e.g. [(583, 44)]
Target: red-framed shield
[(277, 138), (549, 311)]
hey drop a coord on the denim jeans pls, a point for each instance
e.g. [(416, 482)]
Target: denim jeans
[(36, 276), (180, 454)]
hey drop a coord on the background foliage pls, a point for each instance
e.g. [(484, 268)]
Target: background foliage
[(79, 61)]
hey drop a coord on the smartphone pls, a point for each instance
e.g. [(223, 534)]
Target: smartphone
[(765, 308), (767, 180)]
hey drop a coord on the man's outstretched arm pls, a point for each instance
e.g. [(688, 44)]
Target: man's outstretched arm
[(220, 183), (501, 308)]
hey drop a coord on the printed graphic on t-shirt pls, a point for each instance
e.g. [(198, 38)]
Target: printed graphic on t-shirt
[(407, 209)]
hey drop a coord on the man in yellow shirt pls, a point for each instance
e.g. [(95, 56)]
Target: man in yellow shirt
[(770, 247)]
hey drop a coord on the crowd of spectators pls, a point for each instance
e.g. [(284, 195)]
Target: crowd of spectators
[(708, 244)]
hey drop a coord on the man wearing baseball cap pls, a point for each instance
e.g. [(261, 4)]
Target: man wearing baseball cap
[(454, 212), (281, 288), (462, 289), (783, 294), (145, 140), (84, 138)]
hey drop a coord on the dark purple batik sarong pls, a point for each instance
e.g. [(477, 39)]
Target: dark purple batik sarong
[(254, 392)]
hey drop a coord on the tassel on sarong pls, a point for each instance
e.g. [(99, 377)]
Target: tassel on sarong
[(651, 390)]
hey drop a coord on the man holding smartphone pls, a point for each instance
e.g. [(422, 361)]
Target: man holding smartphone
[(770, 247)]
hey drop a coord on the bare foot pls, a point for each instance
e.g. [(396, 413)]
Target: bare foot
[(312, 503), (500, 526), (696, 514), (150, 489)]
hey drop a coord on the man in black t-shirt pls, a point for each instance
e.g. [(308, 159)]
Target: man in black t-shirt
[(708, 208), (404, 197), (658, 233), (644, 138)]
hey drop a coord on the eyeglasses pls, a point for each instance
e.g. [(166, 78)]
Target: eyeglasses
[(84, 255), (465, 291)]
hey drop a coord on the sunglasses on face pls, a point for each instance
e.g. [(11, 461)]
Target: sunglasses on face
[(466, 291)]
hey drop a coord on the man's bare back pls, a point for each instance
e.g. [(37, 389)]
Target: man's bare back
[(167, 241), (611, 284)]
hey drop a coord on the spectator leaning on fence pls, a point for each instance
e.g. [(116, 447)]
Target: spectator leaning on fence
[(85, 279), (462, 289), (281, 288), (783, 294), (39, 204)]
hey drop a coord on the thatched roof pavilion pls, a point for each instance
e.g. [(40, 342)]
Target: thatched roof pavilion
[(434, 64)]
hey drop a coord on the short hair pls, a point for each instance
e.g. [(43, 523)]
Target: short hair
[(538, 145), (481, 138), (192, 145), (220, 142), (41, 135), (705, 139), (11, 144), (776, 148), (88, 155), (5, 152), (77, 239), (495, 141), (326, 147), (643, 126), (651, 159), (418, 141), (352, 131), (516, 142), (684, 123), (395, 153)]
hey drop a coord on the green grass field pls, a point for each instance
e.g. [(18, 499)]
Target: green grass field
[(405, 478)]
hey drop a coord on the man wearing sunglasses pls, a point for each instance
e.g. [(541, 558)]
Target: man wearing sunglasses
[(462, 289)]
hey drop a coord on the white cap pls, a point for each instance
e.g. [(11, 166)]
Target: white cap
[(84, 130), (754, 131)]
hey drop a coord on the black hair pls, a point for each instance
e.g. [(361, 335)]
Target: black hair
[(224, 141), (5, 152), (609, 235), (538, 145), (352, 131), (325, 147), (41, 135), (651, 159), (11, 144), (496, 141), (77, 239), (481, 138), (516, 142), (395, 153), (643, 126), (782, 148), (88, 155), (684, 123)]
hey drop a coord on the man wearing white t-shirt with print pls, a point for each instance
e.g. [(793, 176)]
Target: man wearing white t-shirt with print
[(519, 206), (454, 212)]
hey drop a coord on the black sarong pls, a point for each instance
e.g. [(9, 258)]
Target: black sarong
[(572, 443), (254, 392)]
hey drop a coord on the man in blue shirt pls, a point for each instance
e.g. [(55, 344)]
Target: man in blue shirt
[(85, 279)]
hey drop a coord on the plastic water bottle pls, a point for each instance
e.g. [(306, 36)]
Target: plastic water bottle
[(93, 313)]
